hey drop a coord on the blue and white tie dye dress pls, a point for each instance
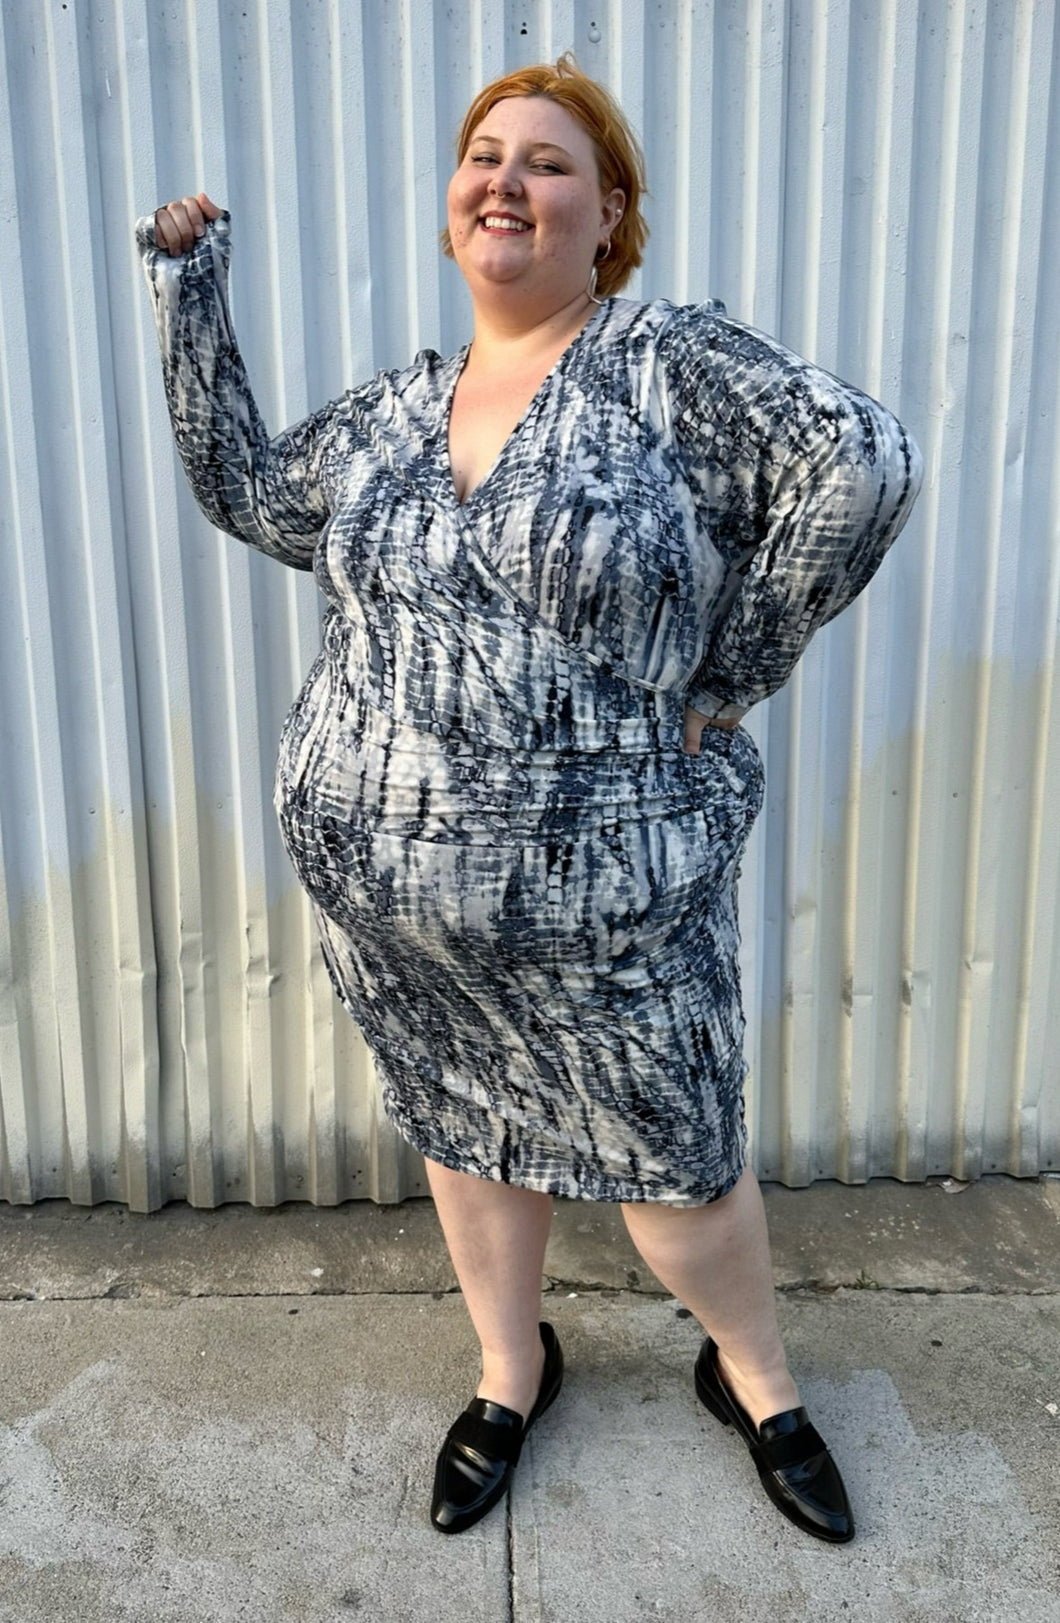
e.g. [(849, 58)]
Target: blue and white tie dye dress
[(525, 887)]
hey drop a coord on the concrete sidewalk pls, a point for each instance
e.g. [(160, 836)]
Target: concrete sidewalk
[(235, 1414)]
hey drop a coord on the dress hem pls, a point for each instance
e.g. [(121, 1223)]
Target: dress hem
[(607, 1191)]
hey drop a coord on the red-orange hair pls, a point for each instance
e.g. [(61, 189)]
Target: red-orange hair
[(619, 159)]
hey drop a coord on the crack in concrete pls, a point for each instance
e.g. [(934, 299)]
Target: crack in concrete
[(509, 1535), (810, 1287)]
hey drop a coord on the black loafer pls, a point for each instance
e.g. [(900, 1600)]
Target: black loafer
[(482, 1449), (797, 1471)]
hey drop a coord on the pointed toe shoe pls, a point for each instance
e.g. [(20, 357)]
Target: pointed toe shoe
[(797, 1471), (482, 1448)]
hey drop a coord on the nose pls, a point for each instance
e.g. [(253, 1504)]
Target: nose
[(504, 182)]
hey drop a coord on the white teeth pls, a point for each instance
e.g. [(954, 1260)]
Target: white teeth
[(495, 223)]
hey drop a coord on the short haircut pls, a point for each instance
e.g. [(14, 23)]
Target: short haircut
[(619, 158)]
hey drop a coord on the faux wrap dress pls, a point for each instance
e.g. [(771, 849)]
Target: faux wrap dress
[(525, 887)]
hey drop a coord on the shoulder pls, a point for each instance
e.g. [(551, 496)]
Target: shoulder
[(398, 407), (729, 383), (706, 344), (700, 348), (645, 328), (410, 389), (720, 365)]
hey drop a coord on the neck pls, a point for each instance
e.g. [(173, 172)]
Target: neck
[(504, 325)]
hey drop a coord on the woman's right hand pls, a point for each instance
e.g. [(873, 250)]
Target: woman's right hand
[(179, 224)]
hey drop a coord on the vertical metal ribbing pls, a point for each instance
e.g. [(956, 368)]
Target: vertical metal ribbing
[(18, 1136), (952, 784), (177, 50), (256, 596), (49, 913), (331, 1068), (936, 222), (866, 171), (69, 1000), (984, 932), (346, 199), (1034, 1117), (558, 30), (21, 867), (418, 55), (872, 323), (113, 925), (687, 221), (814, 171)]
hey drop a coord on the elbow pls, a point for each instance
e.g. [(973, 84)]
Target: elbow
[(902, 455), (900, 476), (880, 471)]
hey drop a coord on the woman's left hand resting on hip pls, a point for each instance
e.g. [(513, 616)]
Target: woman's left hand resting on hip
[(695, 723)]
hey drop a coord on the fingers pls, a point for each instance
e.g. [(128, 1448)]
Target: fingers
[(179, 225), (696, 724)]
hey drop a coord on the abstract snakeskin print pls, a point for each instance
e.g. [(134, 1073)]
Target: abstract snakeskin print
[(525, 887)]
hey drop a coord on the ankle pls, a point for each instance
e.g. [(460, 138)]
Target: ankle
[(513, 1379), (754, 1372), (762, 1390)]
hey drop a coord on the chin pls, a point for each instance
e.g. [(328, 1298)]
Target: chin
[(491, 268)]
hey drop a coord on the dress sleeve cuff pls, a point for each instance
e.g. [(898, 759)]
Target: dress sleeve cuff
[(716, 709), (145, 232)]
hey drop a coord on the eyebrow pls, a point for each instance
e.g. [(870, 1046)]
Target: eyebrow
[(535, 146)]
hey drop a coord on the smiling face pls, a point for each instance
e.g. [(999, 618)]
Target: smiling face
[(526, 213)]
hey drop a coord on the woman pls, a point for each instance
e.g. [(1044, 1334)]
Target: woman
[(559, 566)]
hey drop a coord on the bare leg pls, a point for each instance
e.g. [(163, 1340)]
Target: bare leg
[(715, 1259), (496, 1235)]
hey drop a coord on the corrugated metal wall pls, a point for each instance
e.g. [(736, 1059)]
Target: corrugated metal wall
[(878, 183)]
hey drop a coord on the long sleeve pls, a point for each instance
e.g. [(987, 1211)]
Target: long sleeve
[(802, 483), (267, 493)]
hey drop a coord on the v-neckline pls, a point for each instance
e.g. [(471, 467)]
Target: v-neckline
[(459, 362)]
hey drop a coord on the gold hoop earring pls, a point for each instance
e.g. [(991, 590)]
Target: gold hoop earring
[(591, 289)]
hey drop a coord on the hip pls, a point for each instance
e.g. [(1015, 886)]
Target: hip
[(342, 758)]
